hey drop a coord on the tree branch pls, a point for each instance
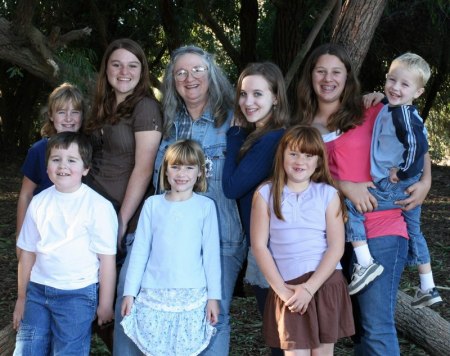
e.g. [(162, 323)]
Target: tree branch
[(72, 36), (309, 41), (205, 14)]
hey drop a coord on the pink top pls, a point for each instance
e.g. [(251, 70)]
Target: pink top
[(349, 159), (299, 242)]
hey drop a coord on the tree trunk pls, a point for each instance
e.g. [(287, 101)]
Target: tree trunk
[(170, 24), (248, 22), (356, 27), (287, 40), (423, 326), (287, 36), (20, 117)]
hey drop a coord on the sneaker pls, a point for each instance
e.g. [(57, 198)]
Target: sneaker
[(421, 299), (362, 276)]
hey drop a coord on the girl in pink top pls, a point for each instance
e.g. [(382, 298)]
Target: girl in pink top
[(329, 99), (297, 237)]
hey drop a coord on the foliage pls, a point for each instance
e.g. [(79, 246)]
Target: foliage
[(14, 71), (144, 21), (77, 67), (438, 126)]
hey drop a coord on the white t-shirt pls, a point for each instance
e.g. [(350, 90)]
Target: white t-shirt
[(66, 231)]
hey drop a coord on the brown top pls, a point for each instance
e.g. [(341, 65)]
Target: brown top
[(114, 152)]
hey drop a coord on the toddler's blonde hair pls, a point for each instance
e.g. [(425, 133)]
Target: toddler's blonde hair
[(415, 63)]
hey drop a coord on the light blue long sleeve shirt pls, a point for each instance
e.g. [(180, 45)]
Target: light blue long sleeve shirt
[(176, 246)]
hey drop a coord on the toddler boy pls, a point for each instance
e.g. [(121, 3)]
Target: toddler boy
[(399, 144)]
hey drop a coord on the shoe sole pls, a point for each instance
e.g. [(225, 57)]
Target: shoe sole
[(427, 303), (367, 281)]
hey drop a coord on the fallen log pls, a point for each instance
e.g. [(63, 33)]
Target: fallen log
[(7, 340), (424, 327)]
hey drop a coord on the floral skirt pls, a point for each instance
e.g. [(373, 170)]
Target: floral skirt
[(169, 322)]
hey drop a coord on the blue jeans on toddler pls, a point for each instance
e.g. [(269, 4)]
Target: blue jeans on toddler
[(57, 321), (386, 194)]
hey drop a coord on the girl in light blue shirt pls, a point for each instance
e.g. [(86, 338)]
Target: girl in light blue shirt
[(172, 284)]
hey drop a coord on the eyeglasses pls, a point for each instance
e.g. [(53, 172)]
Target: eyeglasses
[(197, 72)]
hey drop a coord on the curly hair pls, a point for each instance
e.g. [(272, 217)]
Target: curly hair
[(220, 91), (104, 107), (350, 112)]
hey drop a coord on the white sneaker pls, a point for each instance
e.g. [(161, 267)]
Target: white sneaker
[(362, 276)]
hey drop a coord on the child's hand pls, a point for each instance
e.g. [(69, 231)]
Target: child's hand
[(212, 311), (299, 302), (127, 304), (285, 294), (359, 195), (393, 175), (417, 194), (121, 232), (372, 99), (105, 314), (18, 312)]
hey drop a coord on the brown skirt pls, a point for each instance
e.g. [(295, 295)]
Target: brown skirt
[(328, 317)]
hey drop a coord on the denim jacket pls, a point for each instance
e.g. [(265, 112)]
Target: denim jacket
[(213, 141)]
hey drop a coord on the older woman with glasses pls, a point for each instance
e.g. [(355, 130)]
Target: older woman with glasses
[(198, 104)]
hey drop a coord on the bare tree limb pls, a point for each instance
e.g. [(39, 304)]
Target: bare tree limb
[(205, 14), (73, 36), (336, 12), (309, 41)]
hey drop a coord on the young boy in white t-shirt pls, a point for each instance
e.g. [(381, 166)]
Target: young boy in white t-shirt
[(66, 272)]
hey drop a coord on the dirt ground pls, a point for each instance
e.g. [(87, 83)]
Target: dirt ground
[(246, 323)]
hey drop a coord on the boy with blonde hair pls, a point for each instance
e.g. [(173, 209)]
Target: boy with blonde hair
[(399, 145)]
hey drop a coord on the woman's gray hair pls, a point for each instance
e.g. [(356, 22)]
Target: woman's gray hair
[(220, 91)]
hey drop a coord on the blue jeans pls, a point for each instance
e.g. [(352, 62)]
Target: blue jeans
[(232, 259), (123, 345), (56, 321), (374, 307), (386, 194)]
